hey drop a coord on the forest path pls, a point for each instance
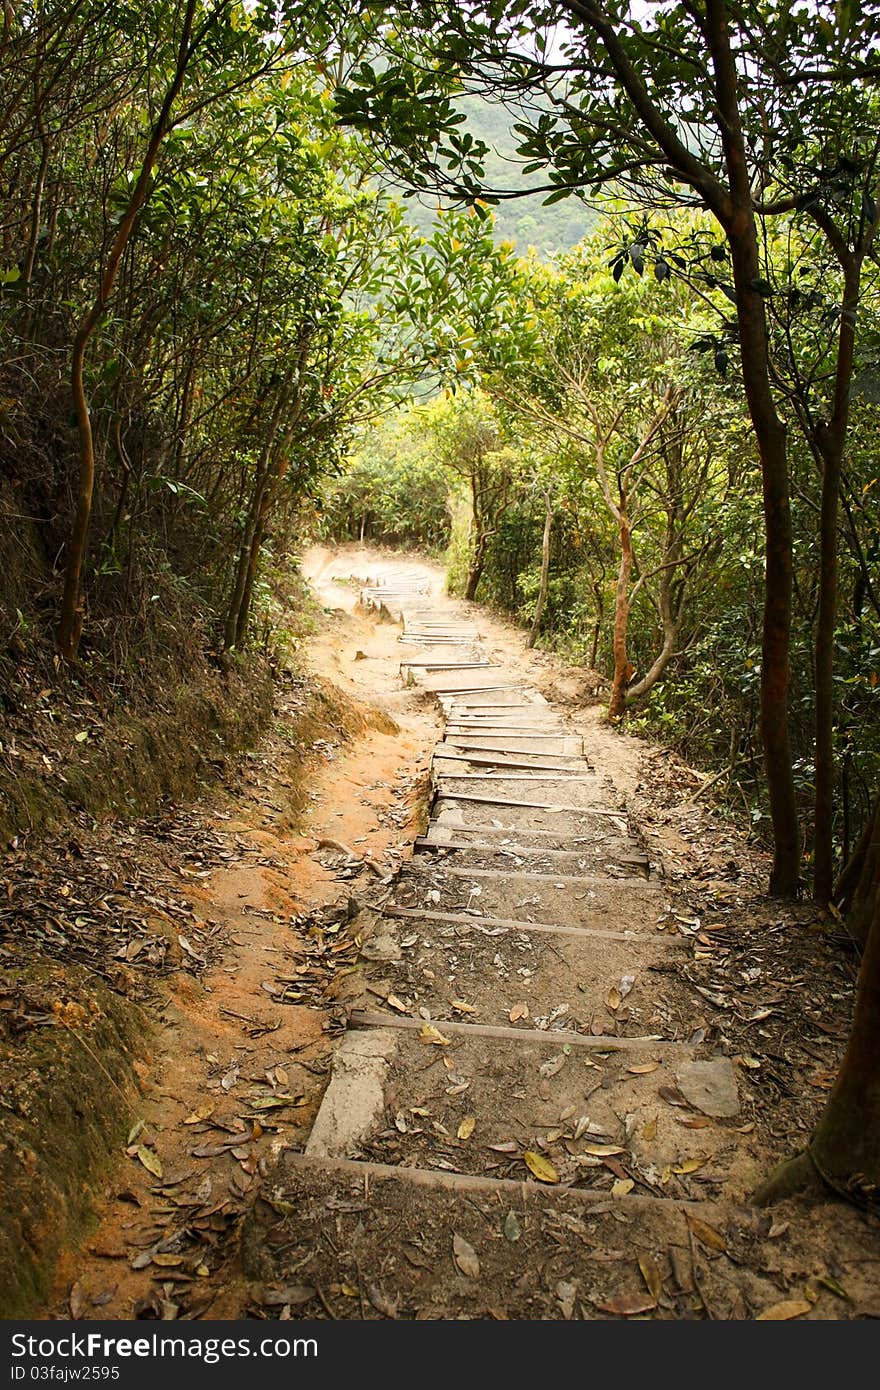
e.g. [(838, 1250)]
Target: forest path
[(531, 1116), (523, 1012)]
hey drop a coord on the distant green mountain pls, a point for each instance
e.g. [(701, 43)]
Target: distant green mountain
[(523, 220)]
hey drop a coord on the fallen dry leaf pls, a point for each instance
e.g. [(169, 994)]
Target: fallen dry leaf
[(520, 1010), (150, 1160), (690, 1165), (603, 1150), (622, 1187), (707, 1235), (202, 1112), (461, 1006), (394, 1003), (782, 1312), (429, 1034), (512, 1228), (467, 1126), (540, 1167), (642, 1068), (628, 1305), (465, 1257), (651, 1275)]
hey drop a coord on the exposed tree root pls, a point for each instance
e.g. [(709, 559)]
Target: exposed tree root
[(795, 1177)]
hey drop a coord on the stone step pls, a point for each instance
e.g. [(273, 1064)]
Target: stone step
[(360, 1240)]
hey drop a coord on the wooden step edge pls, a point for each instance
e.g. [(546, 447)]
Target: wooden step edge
[(548, 928), (557, 808), (538, 831), (473, 758), (600, 879), (469, 738), (450, 665), (576, 779), (441, 690), (551, 1037), (424, 842), (522, 1190)]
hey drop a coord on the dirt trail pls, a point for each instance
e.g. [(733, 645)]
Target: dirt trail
[(557, 1052)]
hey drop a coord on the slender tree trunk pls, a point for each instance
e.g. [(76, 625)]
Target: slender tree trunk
[(845, 1147), (670, 637), (244, 610), (71, 619), (545, 572), (474, 575), (251, 525), (622, 670), (859, 884), (831, 443)]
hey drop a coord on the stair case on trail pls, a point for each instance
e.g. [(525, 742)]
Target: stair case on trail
[(499, 1145)]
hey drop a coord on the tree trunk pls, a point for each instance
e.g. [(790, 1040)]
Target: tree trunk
[(770, 433), (622, 668), (845, 1148), (71, 619), (232, 624), (859, 884), (244, 610), (545, 573), (474, 575), (831, 443)]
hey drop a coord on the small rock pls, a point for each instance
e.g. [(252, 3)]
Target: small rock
[(381, 948), (710, 1087)]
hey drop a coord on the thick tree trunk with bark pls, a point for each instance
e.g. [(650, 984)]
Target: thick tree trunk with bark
[(859, 884), (844, 1152), (770, 433)]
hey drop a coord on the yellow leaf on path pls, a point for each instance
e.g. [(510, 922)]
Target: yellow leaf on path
[(649, 1129), (603, 1150), (690, 1165), (707, 1235), (614, 999), (394, 1003), (642, 1068), (150, 1160), (467, 1126), (782, 1312), (461, 1006), (520, 1010), (622, 1187), (429, 1034), (202, 1112), (651, 1275), (540, 1167)]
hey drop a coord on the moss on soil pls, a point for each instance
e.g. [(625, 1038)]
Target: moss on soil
[(67, 1048), (142, 759)]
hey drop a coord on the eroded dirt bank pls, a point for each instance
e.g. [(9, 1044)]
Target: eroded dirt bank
[(242, 933)]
